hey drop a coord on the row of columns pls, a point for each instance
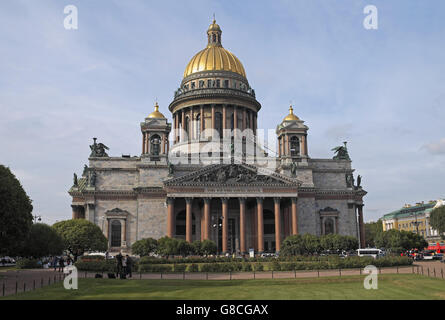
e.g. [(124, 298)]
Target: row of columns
[(225, 218), (192, 130)]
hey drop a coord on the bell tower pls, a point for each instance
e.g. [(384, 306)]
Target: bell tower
[(155, 130), (292, 139)]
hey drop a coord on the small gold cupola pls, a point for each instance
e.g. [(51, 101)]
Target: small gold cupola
[(291, 116), (156, 114), (214, 35)]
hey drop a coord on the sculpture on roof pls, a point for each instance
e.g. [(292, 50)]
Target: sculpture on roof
[(75, 183), (98, 149), (341, 152)]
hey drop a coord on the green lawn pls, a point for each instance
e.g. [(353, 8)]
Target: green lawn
[(348, 287)]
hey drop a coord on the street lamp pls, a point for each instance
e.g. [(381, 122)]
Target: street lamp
[(217, 226), (37, 218)]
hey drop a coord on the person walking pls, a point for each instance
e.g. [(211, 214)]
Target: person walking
[(118, 264), (129, 266), (54, 263), (124, 267), (61, 264)]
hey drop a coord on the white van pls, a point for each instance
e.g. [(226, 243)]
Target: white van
[(370, 252)]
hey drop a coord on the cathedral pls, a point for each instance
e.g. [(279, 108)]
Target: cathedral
[(207, 174)]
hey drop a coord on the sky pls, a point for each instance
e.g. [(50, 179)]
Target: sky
[(381, 90)]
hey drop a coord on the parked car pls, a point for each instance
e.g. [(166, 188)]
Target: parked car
[(7, 261)]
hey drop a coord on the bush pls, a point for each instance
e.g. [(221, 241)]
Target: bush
[(179, 267), (258, 267), (192, 268), (155, 268), (96, 265), (26, 263)]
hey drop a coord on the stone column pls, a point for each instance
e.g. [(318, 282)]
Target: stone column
[(124, 233), (182, 125), (294, 217), (225, 220), (251, 120), (213, 118), (277, 224), (192, 124), (244, 119), (207, 218), (305, 145), (170, 217), (201, 118), (188, 219), (147, 146), (361, 226), (224, 119), (260, 224), (235, 120), (242, 219), (143, 142)]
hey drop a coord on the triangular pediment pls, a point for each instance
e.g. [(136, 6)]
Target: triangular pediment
[(232, 174)]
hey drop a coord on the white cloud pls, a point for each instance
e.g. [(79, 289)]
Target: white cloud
[(435, 147)]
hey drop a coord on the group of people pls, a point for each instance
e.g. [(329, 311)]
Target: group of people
[(124, 265), (60, 262)]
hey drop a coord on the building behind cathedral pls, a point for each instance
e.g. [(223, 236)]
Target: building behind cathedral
[(205, 175)]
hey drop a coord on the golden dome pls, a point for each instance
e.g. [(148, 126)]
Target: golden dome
[(214, 57), (291, 116), (156, 114)]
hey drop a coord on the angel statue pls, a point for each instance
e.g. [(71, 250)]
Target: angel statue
[(98, 149), (341, 152)]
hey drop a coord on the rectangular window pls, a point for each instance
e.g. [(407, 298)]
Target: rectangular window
[(201, 83), (193, 85), (209, 83), (226, 83), (218, 83)]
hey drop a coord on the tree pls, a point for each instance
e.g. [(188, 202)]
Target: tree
[(167, 246), (372, 229), (399, 240), (208, 247), (196, 247), (80, 236), (42, 241), (437, 219), (15, 213), (145, 247)]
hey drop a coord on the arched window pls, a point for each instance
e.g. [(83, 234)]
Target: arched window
[(198, 125), (328, 226), (218, 123), (116, 229), (155, 144), (214, 38), (294, 146)]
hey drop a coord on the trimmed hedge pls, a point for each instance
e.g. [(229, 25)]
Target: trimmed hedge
[(238, 266), (26, 263)]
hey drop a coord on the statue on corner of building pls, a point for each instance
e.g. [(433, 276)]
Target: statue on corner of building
[(293, 169), (98, 149), (359, 181), (92, 179), (341, 152), (75, 183), (85, 171), (171, 169)]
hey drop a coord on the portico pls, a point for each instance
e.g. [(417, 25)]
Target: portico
[(237, 214)]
